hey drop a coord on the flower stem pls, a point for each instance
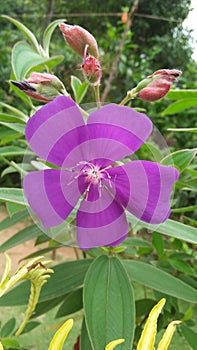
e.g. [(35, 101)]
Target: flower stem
[(97, 95), (130, 95)]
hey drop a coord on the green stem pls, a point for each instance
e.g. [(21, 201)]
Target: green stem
[(130, 95), (97, 95)]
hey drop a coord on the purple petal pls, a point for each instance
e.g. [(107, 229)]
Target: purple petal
[(52, 194), (144, 188), (50, 125), (102, 222), (117, 131)]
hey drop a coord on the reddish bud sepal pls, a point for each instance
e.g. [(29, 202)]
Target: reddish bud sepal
[(91, 69), (157, 85), (78, 37)]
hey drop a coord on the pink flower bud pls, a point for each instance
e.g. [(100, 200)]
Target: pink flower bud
[(41, 86), (78, 37), (91, 69), (157, 85)]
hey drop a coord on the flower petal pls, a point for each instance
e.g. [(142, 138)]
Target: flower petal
[(50, 126), (144, 188), (102, 222), (118, 131), (52, 195)]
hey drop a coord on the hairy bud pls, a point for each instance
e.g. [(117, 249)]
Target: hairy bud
[(41, 86), (157, 85), (78, 37)]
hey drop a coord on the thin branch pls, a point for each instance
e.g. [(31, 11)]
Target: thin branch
[(120, 48)]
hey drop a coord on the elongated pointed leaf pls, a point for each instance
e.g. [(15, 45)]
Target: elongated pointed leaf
[(25, 60), (84, 338), (170, 228), (29, 35), (190, 336), (13, 195), (182, 94), (13, 151), (180, 159), (48, 33), (108, 303), (157, 279), (8, 222), (22, 236), (180, 106), (8, 327), (72, 303)]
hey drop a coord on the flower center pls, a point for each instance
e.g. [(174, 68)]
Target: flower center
[(93, 175)]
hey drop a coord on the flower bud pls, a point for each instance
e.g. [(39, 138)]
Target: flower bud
[(78, 37), (91, 69), (41, 86), (157, 85)]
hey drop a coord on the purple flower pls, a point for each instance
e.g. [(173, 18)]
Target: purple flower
[(84, 155)]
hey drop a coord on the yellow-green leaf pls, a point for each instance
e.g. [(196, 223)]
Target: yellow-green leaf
[(7, 270), (166, 339), (61, 335), (113, 344), (147, 339)]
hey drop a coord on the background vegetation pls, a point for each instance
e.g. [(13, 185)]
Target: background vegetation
[(155, 40)]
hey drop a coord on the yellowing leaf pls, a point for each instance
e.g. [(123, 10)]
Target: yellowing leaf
[(7, 271), (60, 336), (147, 339), (113, 344), (166, 339)]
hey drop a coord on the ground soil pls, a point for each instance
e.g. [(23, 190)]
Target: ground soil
[(20, 251)]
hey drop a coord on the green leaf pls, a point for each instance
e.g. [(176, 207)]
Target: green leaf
[(170, 228), (30, 325), (190, 336), (15, 111), (159, 280), (13, 151), (8, 327), (72, 303), (11, 343), (84, 338), (22, 236), (13, 208), (108, 303), (29, 35), (78, 88), (48, 33), (157, 242), (144, 306), (180, 106), (136, 242), (5, 117), (13, 195), (182, 94), (180, 159), (45, 306), (18, 217), (67, 277), (20, 128), (25, 60), (181, 265)]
